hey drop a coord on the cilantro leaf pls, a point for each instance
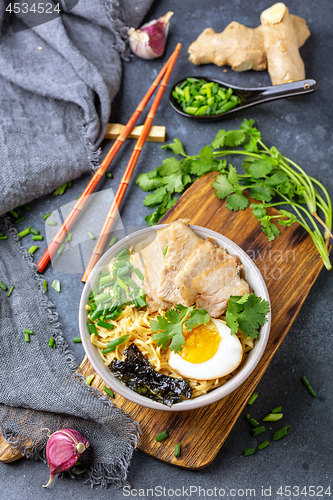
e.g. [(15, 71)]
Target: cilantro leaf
[(262, 193), (276, 179), (246, 314), (169, 166), (234, 138), (237, 202), (155, 197), (149, 181), (218, 142), (248, 127), (197, 317), (252, 145), (269, 228), (205, 163), (291, 218), (222, 186), (176, 146), (259, 168), (258, 211), (167, 203)]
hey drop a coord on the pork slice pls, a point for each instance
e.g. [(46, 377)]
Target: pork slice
[(203, 257), (211, 281), (217, 303), (183, 240)]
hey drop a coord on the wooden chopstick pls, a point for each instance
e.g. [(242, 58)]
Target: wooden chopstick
[(98, 175), (110, 218)]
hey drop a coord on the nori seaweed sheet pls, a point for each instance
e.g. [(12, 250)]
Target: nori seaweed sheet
[(138, 374)]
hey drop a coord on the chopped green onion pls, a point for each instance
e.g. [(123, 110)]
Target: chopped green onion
[(27, 330), (138, 273), (60, 249), (27, 337), (56, 285), (19, 220), (105, 279), (160, 437), (69, 184), (177, 450), (10, 291), (114, 314), (111, 346), (26, 207), (92, 328), (69, 237), (60, 190), (281, 433), (113, 240), (122, 284), (124, 252), (33, 249), (247, 416), (108, 392), (102, 297), (37, 237), (263, 445), (119, 264), (77, 340), (3, 286), (249, 451), (25, 232), (96, 314), (3, 237), (258, 430), (14, 214), (45, 285), (252, 398), (253, 422), (46, 216), (122, 271), (277, 409), (34, 231), (51, 342), (273, 417), (51, 222), (91, 235), (104, 324), (89, 379), (108, 175), (165, 250), (308, 386)]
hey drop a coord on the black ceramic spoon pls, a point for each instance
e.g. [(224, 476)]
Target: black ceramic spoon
[(249, 96)]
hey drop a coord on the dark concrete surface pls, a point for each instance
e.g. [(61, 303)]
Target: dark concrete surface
[(302, 129)]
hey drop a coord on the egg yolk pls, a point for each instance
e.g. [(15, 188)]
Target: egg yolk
[(201, 343)]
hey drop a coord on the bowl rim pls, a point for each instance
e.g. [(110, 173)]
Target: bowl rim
[(212, 396)]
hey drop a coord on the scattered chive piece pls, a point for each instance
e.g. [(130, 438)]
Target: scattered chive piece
[(25, 232), (51, 342), (108, 175), (247, 416), (104, 324), (177, 450), (51, 222), (122, 284), (281, 433), (113, 240), (253, 422), (114, 343), (108, 392), (14, 214), (60, 190), (34, 231), (56, 285), (277, 409), (165, 250), (252, 398), (3, 237), (10, 291), (27, 330), (89, 379), (19, 220), (46, 216), (308, 386), (37, 237), (1, 234), (60, 249), (45, 285), (258, 430), (138, 273), (92, 328), (263, 445), (91, 235), (26, 207), (3, 286), (160, 437), (69, 237), (77, 340), (27, 337), (249, 451), (273, 417), (33, 249)]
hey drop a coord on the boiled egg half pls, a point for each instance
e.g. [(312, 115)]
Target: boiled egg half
[(210, 352)]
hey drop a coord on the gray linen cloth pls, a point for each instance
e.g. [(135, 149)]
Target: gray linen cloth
[(54, 107)]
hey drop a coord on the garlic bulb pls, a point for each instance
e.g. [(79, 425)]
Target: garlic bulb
[(148, 42)]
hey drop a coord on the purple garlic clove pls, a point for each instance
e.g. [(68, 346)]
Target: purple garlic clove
[(63, 450), (148, 42)]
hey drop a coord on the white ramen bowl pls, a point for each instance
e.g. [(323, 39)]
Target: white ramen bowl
[(250, 272)]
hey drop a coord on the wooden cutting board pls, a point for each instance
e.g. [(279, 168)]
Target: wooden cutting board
[(289, 266)]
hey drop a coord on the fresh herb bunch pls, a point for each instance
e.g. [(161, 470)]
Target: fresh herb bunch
[(246, 314), (272, 179)]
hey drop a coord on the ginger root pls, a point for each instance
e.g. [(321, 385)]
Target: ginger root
[(274, 44)]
